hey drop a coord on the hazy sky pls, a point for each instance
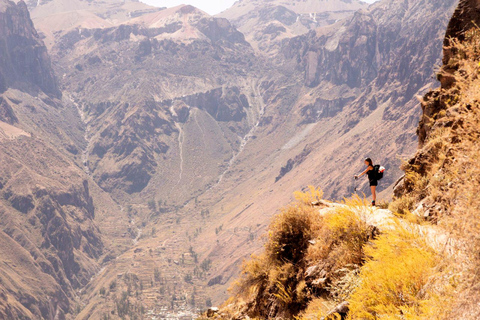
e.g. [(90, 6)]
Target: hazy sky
[(210, 6)]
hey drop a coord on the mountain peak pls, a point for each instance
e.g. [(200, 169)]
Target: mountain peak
[(189, 9), (301, 6), (62, 16), (266, 23), (182, 13)]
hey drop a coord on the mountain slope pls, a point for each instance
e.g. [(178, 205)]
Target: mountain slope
[(266, 23), (51, 243), (187, 82), (52, 17)]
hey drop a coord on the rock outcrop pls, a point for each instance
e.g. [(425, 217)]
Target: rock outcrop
[(25, 63), (465, 17), (436, 102)]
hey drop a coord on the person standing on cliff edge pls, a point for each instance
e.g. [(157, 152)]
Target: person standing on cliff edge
[(372, 178)]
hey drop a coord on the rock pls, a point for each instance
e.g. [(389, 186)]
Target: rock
[(322, 203), (423, 210), (6, 112), (465, 17), (214, 281), (291, 163), (218, 29), (317, 273), (319, 282), (211, 312), (311, 271), (223, 104), (25, 63), (342, 310), (399, 186)]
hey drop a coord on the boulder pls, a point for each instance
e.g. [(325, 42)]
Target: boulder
[(211, 312)]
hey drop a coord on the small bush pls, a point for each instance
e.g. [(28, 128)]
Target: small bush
[(290, 232), (402, 205), (272, 283), (312, 195), (342, 236)]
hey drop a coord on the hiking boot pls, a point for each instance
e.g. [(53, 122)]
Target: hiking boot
[(373, 203)]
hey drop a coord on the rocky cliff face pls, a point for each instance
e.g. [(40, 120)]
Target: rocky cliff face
[(50, 240), (186, 67), (25, 63), (50, 243), (466, 16), (436, 102), (441, 181)]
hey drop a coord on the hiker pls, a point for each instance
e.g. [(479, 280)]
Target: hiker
[(372, 177)]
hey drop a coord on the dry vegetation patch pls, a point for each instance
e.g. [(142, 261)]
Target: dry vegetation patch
[(443, 179), (310, 259)]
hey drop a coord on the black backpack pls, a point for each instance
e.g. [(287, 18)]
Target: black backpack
[(379, 170)]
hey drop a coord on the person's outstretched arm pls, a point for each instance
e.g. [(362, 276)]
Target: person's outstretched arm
[(364, 172)]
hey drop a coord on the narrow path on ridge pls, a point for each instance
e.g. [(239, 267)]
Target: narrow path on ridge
[(438, 239)]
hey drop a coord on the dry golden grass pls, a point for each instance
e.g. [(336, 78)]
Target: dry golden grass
[(445, 177), (393, 281)]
